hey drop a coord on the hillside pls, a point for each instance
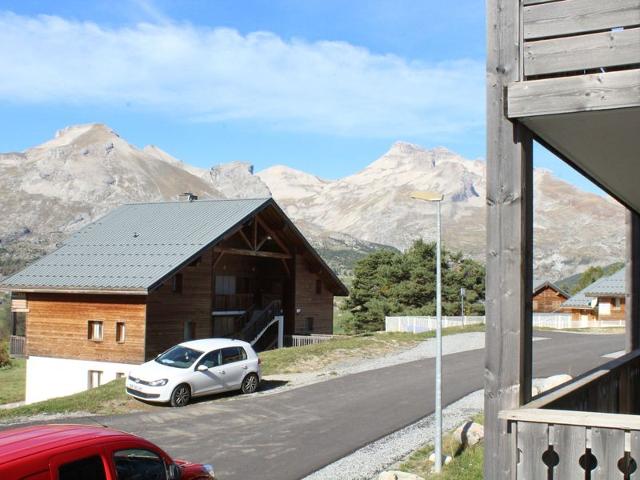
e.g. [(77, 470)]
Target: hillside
[(86, 170)]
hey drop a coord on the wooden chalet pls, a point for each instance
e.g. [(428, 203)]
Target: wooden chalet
[(602, 301), (148, 276), (547, 297), (565, 73)]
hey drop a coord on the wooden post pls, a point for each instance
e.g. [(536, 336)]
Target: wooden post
[(509, 243), (632, 281)]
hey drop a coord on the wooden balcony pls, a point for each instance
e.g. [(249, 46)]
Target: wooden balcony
[(587, 428), (233, 303)]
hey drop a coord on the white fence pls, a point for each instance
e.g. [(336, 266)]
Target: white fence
[(301, 340), (544, 320), (426, 324)]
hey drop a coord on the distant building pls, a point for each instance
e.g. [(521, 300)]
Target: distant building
[(547, 296), (147, 276), (603, 300)]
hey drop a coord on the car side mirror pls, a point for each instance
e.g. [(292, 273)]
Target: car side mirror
[(174, 472), (202, 368)]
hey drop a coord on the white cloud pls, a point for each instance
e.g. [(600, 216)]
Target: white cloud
[(217, 74)]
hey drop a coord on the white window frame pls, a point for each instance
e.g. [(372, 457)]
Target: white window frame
[(94, 378), (124, 332), (95, 330)]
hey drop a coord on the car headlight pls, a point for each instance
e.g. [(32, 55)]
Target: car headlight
[(209, 469), (158, 383)]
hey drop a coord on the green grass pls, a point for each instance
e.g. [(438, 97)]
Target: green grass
[(468, 465), (106, 399), (321, 355), (12, 380)]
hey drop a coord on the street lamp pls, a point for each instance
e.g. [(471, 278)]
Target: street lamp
[(437, 198)]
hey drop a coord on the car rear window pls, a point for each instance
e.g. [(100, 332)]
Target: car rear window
[(233, 354), (90, 468)]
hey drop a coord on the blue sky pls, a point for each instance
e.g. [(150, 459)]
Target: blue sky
[(325, 86)]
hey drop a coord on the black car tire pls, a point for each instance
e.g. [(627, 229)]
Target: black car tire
[(250, 383), (181, 395)]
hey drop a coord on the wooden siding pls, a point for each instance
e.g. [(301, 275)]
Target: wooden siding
[(614, 313), (309, 304), (57, 326), (547, 300), (167, 311)]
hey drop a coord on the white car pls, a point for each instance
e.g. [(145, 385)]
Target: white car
[(195, 368)]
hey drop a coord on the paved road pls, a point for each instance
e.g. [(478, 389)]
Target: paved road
[(291, 434)]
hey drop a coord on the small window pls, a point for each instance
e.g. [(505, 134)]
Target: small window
[(189, 331), (120, 375), (308, 324), (233, 354), (120, 332), (134, 464), (90, 468), (176, 285), (94, 331), (318, 287), (617, 303), (95, 378)]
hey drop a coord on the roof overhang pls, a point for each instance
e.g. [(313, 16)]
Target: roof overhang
[(71, 290)]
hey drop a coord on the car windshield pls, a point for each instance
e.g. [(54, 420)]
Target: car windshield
[(179, 357)]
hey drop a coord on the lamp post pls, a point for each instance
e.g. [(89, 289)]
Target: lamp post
[(437, 198)]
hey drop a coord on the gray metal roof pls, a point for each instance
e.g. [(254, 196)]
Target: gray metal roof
[(579, 300), (539, 283), (135, 246), (612, 285)]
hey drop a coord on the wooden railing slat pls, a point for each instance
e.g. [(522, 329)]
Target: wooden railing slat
[(578, 16), (635, 453), (533, 441), (607, 445), (569, 442), (582, 52)]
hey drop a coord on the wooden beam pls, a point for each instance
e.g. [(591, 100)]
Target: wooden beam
[(632, 280), (567, 417), (580, 93), (553, 19), (286, 267), (509, 244), (275, 238), (244, 237), (217, 260), (255, 232), (251, 253), (584, 52)]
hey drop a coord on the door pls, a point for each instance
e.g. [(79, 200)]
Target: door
[(210, 380), (235, 365)]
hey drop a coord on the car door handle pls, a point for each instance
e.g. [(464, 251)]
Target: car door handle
[(245, 367), (222, 372)]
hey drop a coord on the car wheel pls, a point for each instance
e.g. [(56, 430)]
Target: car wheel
[(250, 383), (180, 395)]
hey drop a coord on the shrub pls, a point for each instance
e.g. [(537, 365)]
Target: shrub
[(5, 360)]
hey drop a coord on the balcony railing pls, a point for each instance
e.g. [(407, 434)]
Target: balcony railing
[(234, 302), (584, 429), (17, 346), (569, 37)]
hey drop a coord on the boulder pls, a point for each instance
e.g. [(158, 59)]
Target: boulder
[(397, 475), (446, 459), (469, 433)]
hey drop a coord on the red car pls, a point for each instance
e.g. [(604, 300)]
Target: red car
[(79, 452)]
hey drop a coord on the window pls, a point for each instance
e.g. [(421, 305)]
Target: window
[(176, 285), (95, 330), (134, 464), (617, 303), (189, 331), (120, 332), (233, 354), (95, 378), (318, 287), (179, 357), (211, 359), (90, 468), (120, 375), (308, 324)]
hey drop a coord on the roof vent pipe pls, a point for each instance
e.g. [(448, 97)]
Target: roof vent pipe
[(187, 197)]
